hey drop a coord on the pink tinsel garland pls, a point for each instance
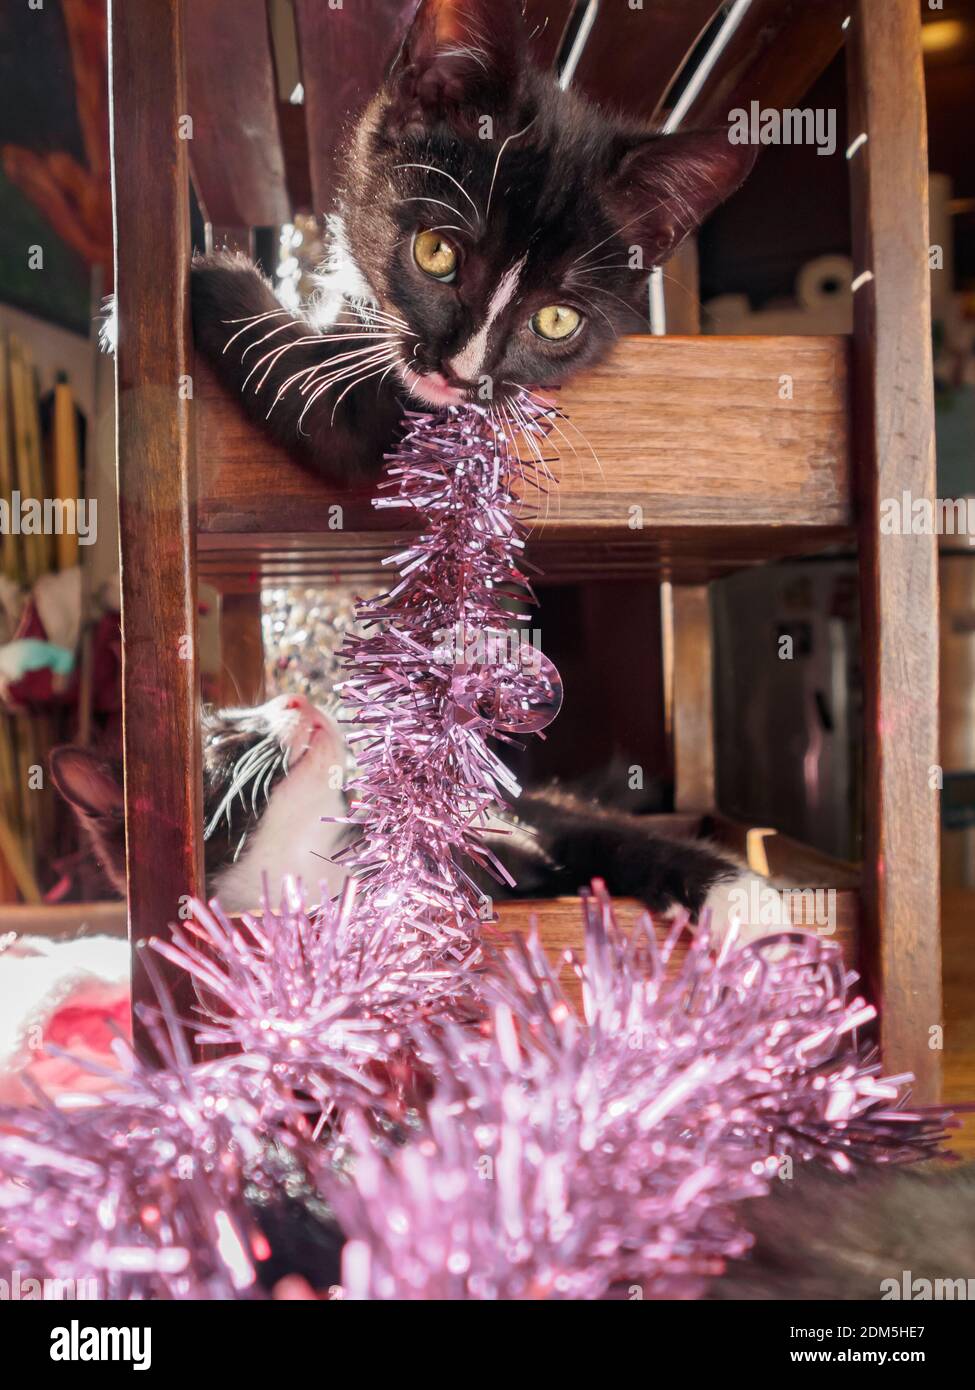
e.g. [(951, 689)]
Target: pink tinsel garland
[(532, 1151)]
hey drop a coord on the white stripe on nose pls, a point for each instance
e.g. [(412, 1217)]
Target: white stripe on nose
[(467, 364)]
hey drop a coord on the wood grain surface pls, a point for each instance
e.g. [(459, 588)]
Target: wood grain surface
[(894, 441), (692, 447), (157, 486), (236, 152)]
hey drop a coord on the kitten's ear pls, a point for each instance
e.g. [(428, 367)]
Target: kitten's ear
[(459, 62), (667, 185), (87, 782)]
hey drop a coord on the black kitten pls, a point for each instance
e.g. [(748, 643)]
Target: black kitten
[(271, 773), (496, 233)]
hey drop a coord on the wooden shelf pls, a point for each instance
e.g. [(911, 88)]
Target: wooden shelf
[(703, 467), (559, 924), (559, 920), (65, 919)]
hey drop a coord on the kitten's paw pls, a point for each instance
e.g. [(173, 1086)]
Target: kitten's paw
[(749, 902), (228, 293)]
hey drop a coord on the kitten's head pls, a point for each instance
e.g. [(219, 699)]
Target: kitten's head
[(512, 225), (285, 753)]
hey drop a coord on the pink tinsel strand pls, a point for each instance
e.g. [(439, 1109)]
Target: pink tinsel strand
[(141, 1193), (325, 995), (424, 693), (574, 1156)]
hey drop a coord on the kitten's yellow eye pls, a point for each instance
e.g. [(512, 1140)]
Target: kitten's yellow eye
[(435, 255), (556, 322)]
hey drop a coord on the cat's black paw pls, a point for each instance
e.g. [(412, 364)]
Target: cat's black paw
[(229, 296)]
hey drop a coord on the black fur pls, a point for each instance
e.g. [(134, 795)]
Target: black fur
[(469, 138), (823, 1237), (561, 842)]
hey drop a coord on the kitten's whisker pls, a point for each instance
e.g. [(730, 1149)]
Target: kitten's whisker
[(552, 419), (317, 367), (509, 429), (352, 363), (244, 769), (359, 308), (497, 163), (322, 386), (359, 382), (263, 783), (342, 357), (567, 419), (369, 339), (281, 328), (252, 322), (379, 384), (450, 208), (275, 354), (537, 430), (617, 231), (527, 431), (598, 289), (255, 318), (604, 260), (379, 361), (433, 169)]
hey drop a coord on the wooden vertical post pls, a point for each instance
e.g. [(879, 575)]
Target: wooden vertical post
[(693, 698), (894, 445), (692, 684), (241, 648), (156, 482)]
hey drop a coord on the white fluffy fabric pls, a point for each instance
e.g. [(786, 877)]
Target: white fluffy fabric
[(69, 993)]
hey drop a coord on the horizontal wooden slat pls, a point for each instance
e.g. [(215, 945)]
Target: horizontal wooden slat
[(236, 153), (559, 925), (702, 465), (703, 431), (64, 919)]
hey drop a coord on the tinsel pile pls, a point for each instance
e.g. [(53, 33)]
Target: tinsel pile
[(474, 1133)]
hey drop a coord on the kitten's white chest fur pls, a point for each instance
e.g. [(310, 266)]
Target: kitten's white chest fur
[(292, 837)]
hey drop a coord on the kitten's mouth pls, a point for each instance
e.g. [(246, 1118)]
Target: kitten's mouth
[(301, 728), (432, 388), (307, 740)]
